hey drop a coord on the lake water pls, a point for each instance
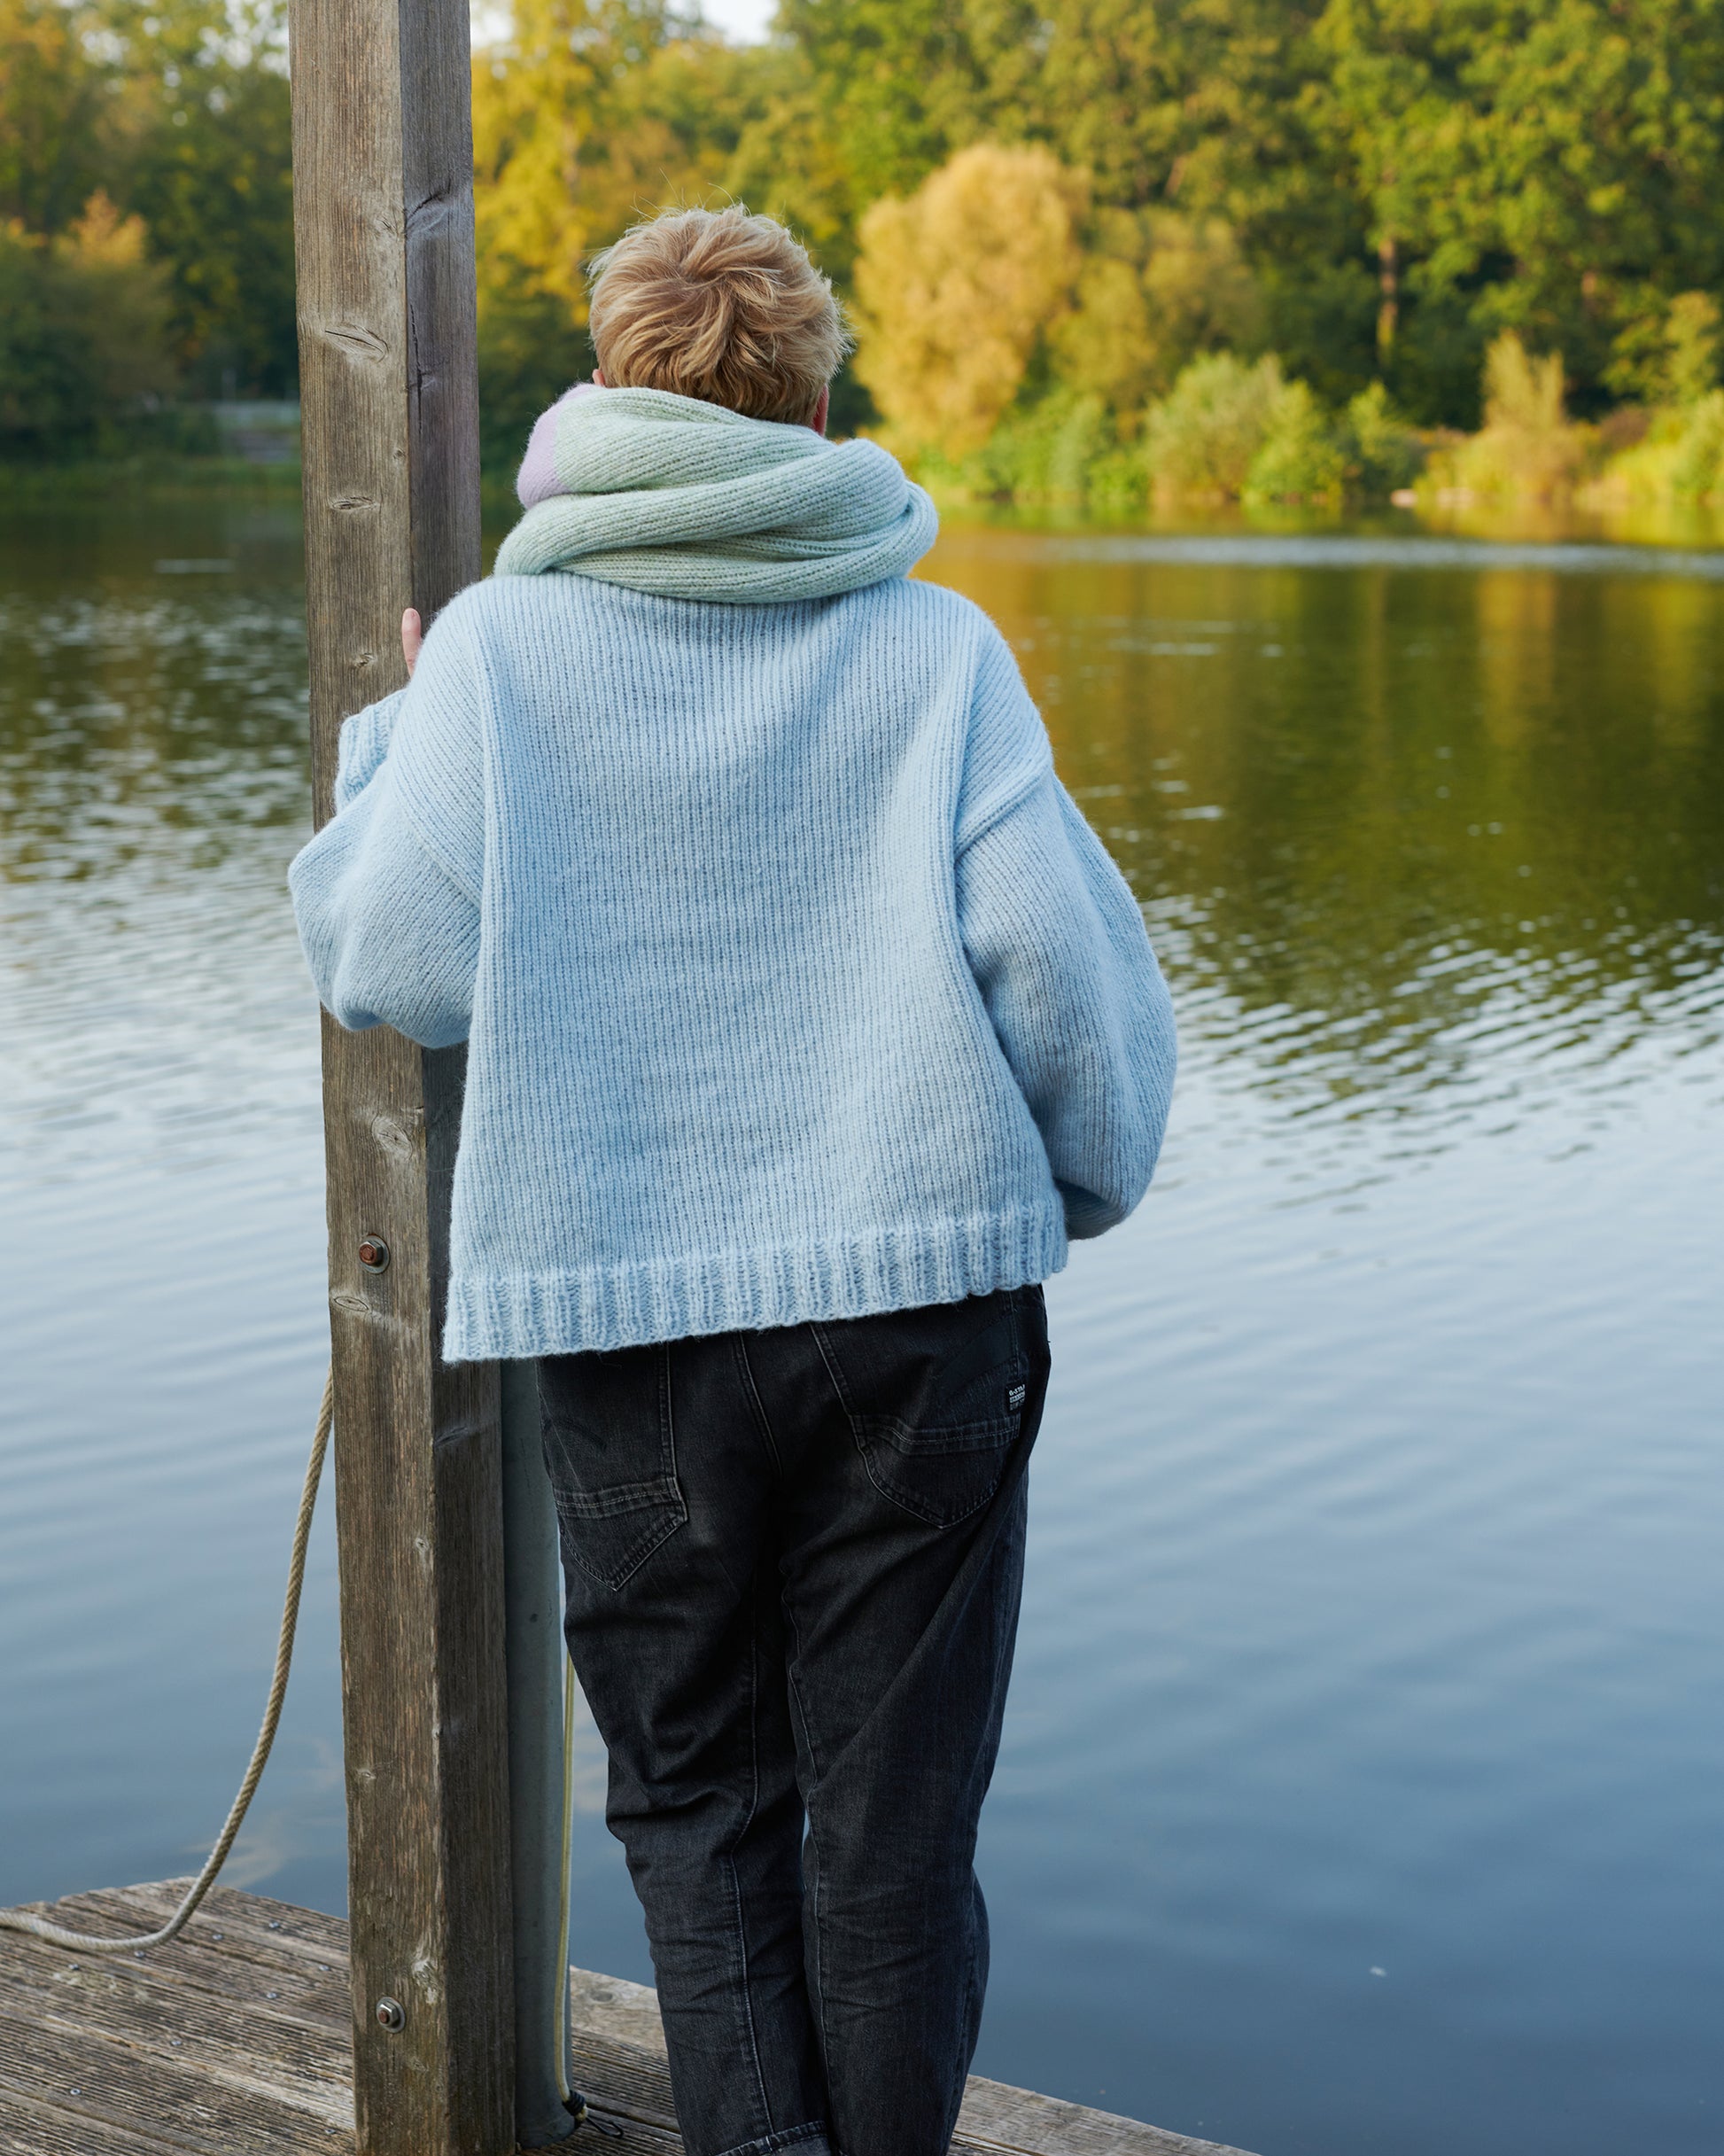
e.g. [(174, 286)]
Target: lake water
[(1360, 1794)]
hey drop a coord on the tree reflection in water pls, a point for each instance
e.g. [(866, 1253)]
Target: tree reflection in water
[(1414, 839)]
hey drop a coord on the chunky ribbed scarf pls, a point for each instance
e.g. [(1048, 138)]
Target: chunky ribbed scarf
[(691, 501)]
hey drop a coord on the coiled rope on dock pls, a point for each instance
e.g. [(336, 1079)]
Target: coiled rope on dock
[(91, 1942)]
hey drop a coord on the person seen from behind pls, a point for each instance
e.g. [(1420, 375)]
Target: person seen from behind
[(807, 1020)]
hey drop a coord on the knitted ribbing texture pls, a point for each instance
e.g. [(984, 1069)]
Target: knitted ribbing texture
[(796, 987), (670, 494)]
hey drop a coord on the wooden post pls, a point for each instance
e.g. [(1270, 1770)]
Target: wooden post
[(384, 230)]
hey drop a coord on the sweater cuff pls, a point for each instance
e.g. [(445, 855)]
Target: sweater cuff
[(365, 740)]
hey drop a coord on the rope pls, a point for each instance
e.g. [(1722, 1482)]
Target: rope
[(88, 1942)]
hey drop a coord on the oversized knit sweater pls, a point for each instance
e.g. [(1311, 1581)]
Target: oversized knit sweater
[(795, 984)]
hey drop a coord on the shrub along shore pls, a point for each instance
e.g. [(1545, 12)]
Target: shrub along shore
[(1019, 348), (1238, 430), (1231, 429)]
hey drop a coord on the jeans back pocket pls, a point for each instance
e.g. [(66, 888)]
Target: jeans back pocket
[(610, 1450), (935, 1398)]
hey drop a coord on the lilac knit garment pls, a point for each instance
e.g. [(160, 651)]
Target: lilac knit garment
[(537, 480)]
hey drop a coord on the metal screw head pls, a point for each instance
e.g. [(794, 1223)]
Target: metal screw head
[(390, 2014), (373, 1253)]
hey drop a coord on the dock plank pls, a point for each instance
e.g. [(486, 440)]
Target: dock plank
[(280, 1982), (234, 2042), (250, 1922), (89, 2076), (30, 2129), (617, 2033), (996, 2116), (129, 2002)]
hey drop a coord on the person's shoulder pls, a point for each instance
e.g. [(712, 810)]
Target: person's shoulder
[(503, 604), (919, 607), (917, 596), (505, 624)]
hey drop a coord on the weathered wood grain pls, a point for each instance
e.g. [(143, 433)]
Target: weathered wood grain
[(29, 2128), (309, 1984), (629, 2080), (251, 2046), (619, 2044), (250, 2071), (383, 217), (611, 2007), (626, 2080), (619, 2137), (235, 1923), (86, 2076), (996, 2116)]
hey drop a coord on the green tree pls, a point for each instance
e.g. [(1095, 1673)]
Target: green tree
[(901, 84), (1550, 167), (1154, 289), (83, 349), (212, 178), (58, 110)]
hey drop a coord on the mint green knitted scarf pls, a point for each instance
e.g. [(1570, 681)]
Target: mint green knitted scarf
[(692, 501)]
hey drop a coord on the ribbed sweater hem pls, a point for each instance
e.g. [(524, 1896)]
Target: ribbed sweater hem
[(493, 1317)]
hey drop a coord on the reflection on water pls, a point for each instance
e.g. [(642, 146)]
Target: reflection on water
[(1355, 1793), (1423, 840), (152, 784)]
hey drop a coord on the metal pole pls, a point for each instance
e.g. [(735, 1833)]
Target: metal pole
[(538, 1822)]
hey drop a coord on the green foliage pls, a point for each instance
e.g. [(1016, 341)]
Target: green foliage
[(213, 181), (1204, 437), (1691, 338), (1302, 457), (529, 351), (1697, 466), (1154, 289), (1527, 449), (1062, 447), (1376, 191), (955, 288), (1227, 429), (1681, 457), (1381, 451), (1248, 432), (57, 132), (1403, 181), (83, 315), (177, 114)]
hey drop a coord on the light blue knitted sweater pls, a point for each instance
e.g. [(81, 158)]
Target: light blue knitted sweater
[(795, 986)]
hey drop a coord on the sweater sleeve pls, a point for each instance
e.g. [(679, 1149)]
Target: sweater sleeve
[(1058, 947), (387, 894)]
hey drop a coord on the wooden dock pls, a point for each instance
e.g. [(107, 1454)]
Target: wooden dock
[(234, 2042)]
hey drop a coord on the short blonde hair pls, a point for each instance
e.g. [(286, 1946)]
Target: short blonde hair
[(718, 305)]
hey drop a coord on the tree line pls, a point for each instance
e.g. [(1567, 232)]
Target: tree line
[(1375, 193)]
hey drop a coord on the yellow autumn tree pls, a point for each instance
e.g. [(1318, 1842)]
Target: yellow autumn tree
[(538, 102), (592, 113), (587, 116), (955, 286)]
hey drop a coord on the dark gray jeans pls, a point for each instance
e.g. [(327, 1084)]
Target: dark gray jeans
[(793, 1564)]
